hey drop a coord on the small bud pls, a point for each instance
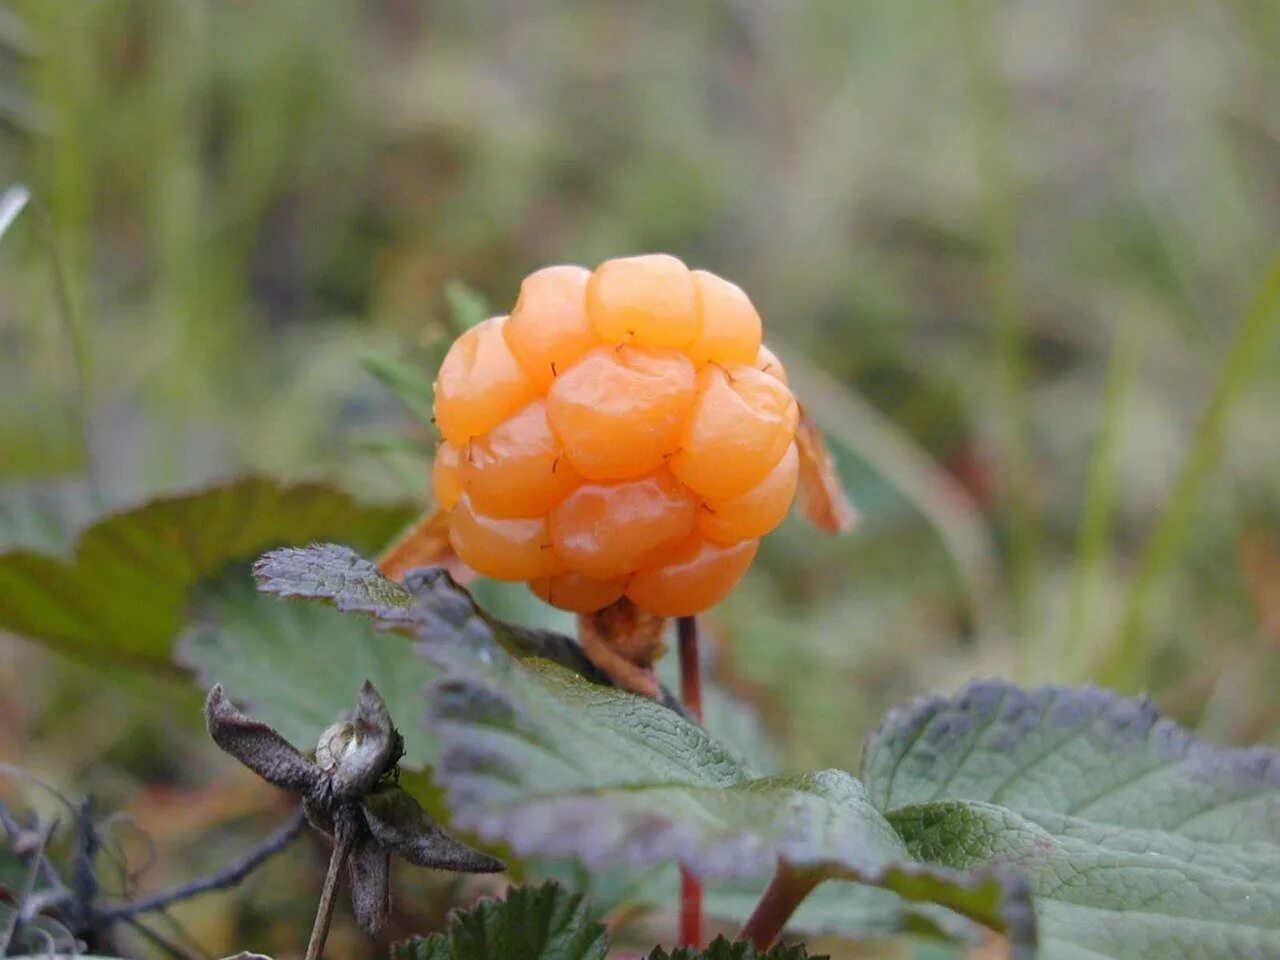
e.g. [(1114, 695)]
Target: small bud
[(371, 749), (333, 745)]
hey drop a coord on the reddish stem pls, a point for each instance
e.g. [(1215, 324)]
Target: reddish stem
[(690, 667), (691, 694), (786, 891)]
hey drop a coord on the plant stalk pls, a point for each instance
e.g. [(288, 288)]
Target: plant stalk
[(1122, 666), (691, 695), (786, 891), (343, 836), (1008, 325)]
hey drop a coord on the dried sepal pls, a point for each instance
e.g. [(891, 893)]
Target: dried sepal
[(399, 823), (369, 881), (823, 498), (424, 544), (259, 747), (368, 750), (625, 642)]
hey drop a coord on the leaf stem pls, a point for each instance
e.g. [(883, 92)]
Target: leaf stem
[(786, 891), (691, 695), (344, 834)]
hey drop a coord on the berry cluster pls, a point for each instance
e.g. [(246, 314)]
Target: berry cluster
[(623, 431)]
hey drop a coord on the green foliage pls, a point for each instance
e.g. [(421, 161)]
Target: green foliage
[(299, 665), (43, 517), (1136, 838), (549, 923), (535, 757), (531, 923), (558, 765), (430, 605), (405, 378), (1078, 800), (123, 594), (722, 949)]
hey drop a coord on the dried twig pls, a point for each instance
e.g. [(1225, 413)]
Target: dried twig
[(221, 880), (17, 918)]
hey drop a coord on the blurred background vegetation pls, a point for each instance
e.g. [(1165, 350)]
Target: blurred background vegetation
[(1021, 258)]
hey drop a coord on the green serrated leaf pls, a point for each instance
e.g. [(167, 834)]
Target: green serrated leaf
[(531, 923), (123, 594), (722, 949), (1137, 840), (430, 605), (299, 666), (563, 765), (558, 767)]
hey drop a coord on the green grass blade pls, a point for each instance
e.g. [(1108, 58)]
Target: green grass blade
[(1093, 546), (999, 234), (13, 202), (1122, 666)]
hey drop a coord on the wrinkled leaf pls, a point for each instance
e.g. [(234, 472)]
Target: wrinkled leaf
[(596, 737), (558, 767), (299, 666), (532, 923), (258, 647), (852, 911), (1137, 840), (334, 573), (429, 604), (123, 594), (722, 949)]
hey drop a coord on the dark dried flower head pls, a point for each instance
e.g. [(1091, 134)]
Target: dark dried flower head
[(350, 792)]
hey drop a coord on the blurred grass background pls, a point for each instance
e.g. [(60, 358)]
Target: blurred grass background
[(1022, 258)]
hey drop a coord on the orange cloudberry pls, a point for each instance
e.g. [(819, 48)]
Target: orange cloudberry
[(624, 432)]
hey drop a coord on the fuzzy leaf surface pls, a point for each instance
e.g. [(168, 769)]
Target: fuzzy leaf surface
[(541, 752), (560, 767), (1138, 840), (531, 923), (123, 592), (299, 666), (429, 605)]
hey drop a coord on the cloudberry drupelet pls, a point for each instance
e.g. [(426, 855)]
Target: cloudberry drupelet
[(624, 432)]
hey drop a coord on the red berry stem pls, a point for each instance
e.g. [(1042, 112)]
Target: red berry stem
[(691, 694), (786, 891), (690, 667)]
